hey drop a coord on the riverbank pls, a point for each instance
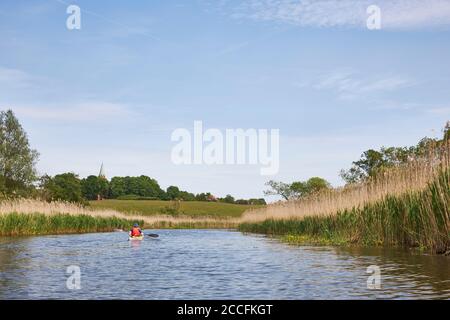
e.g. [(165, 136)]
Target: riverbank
[(34, 217), (185, 209), (19, 224), (410, 219)]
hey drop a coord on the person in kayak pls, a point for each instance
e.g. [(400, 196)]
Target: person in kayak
[(136, 231)]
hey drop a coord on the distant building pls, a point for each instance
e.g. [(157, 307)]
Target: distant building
[(101, 175)]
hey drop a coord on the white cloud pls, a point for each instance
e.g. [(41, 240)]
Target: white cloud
[(395, 14)]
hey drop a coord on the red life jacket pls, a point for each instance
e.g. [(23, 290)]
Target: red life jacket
[(135, 232)]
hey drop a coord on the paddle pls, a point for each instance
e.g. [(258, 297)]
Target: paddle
[(152, 235)]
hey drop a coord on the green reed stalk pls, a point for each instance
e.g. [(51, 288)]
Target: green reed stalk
[(18, 224), (413, 219)]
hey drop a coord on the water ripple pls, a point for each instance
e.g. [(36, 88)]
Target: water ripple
[(211, 264)]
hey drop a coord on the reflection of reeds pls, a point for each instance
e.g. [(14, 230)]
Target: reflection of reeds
[(407, 205)]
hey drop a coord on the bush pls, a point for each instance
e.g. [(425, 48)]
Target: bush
[(62, 187)]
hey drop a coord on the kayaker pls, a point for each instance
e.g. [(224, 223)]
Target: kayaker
[(136, 231)]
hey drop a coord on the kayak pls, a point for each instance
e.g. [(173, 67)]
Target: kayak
[(136, 238)]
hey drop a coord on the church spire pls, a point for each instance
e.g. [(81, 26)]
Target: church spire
[(102, 174)]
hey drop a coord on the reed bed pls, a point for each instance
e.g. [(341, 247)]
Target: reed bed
[(51, 208), (32, 217), (19, 224), (407, 206), (414, 176)]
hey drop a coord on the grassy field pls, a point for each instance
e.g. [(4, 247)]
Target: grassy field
[(19, 224), (193, 209)]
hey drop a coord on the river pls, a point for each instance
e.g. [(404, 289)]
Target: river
[(210, 264)]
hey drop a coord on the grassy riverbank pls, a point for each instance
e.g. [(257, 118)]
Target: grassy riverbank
[(26, 216), (18, 224), (191, 209), (418, 218)]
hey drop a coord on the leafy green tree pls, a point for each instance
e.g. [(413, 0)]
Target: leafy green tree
[(373, 162), (279, 189), (94, 186), (251, 201), (44, 191), (64, 187), (142, 186), (260, 201), (117, 187), (204, 196), (315, 185), (103, 187), (298, 189), (228, 199), (187, 196), (147, 187), (173, 193), (17, 159), (89, 187)]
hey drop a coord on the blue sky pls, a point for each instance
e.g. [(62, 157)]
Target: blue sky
[(114, 91)]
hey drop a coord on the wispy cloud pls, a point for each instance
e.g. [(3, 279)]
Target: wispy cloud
[(84, 112), (395, 14), (67, 110), (349, 84), (16, 78)]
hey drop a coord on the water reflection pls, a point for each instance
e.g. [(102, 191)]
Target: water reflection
[(424, 274), (211, 264), (13, 257)]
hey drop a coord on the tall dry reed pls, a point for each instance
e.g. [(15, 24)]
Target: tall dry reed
[(31, 206), (410, 177), (407, 206)]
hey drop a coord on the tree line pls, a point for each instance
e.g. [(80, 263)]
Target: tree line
[(371, 164), (18, 175), (69, 187), (19, 178)]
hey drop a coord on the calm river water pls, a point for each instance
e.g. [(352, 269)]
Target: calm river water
[(210, 264)]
